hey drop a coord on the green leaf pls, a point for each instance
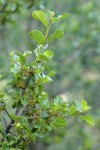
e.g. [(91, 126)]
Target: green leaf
[(78, 106), (57, 103), (51, 73), (36, 51), (26, 53), (56, 34), (46, 79), (72, 110), (5, 146), (36, 124), (51, 13), (85, 106), (37, 36), (43, 57), (24, 100), (49, 128), (48, 53), (40, 135), (45, 103), (44, 114), (39, 15), (60, 17), (60, 121), (16, 69), (22, 58), (88, 119)]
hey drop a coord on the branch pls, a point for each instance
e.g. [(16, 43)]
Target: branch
[(7, 113), (17, 111)]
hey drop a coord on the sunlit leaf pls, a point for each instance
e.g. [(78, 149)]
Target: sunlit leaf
[(88, 119), (39, 15), (56, 34), (48, 53), (37, 36), (60, 17), (26, 53)]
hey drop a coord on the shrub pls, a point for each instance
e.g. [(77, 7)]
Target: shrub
[(34, 114)]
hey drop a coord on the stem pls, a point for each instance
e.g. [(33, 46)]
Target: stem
[(46, 36), (17, 111), (7, 113)]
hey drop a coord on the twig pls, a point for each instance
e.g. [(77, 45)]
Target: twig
[(7, 113), (17, 111), (12, 133), (22, 110)]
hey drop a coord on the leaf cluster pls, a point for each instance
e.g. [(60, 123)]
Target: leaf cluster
[(35, 114)]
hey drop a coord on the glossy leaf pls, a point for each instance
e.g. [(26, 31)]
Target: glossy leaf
[(60, 121), (37, 36), (5, 146), (48, 53), (88, 119), (60, 17), (16, 69), (24, 100), (72, 110), (43, 57), (22, 58), (85, 106), (78, 106), (57, 34), (26, 53), (39, 15)]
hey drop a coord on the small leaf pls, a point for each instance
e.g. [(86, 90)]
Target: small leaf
[(85, 106), (43, 57), (44, 114), (40, 135), (24, 100), (48, 53), (36, 124), (37, 36), (78, 106), (49, 128), (36, 51), (56, 34), (39, 15), (22, 58), (51, 73), (72, 110), (88, 119), (45, 103), (51, 13), (5, 146), (60, 17), (46, 79), (60, 121), (15, 69), (26, 53)]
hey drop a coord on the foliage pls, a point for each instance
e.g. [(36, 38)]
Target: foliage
[(34, 113)]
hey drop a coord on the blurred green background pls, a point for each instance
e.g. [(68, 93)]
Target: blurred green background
[(76, 62)]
